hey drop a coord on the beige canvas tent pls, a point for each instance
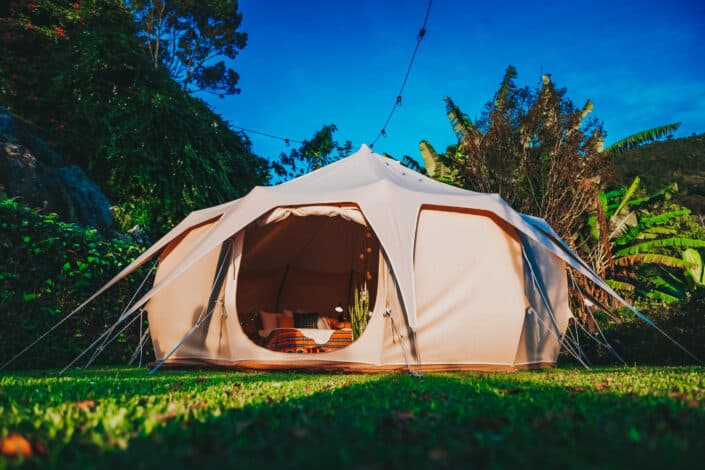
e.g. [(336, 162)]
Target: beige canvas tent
[(457, 279)]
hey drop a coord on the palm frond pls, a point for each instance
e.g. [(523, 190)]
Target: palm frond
[(460, 122), (615, 193), (412, 164), (620, 285), (642, 232), (625, 199), (661, 230), (622, 223), (647, 236), (641, 138), (696, 272), (650, 246), (663, 218), (652, 258), (506, 87), (594, 226), (658, 295), (430, 157), (662, 284), (663, 193)]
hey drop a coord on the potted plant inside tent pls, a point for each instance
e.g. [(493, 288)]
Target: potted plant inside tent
[(359, 311)]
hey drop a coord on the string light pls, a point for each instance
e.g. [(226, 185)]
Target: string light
[(397, 102), (286, 140)]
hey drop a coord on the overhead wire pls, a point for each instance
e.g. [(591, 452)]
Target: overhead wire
[(286, 140), (398, 100)]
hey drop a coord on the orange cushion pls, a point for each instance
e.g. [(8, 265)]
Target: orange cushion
[(286, 322)]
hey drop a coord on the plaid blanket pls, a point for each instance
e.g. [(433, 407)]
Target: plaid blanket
[(292, 340)]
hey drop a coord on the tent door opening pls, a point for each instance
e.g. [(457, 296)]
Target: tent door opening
[(300, 271)]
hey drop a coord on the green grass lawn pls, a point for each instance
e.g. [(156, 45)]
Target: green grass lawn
[(650, 417)]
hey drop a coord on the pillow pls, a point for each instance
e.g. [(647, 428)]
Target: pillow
[(270, 320), (286, 321), (305, 320), (322, 323), (288, 313)]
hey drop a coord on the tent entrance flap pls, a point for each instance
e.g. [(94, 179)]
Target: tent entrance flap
[(305, 259)]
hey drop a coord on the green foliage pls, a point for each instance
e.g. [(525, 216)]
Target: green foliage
[(157, 152), (647, 238), (607, 418), (644, 137), (173, 156), (435, 166), (188, 37), (696, 271), (359, 311), (638, 342), (47, 268), (313, 154)]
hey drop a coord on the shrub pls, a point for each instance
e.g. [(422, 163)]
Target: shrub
[(47, 268), (640, 343)]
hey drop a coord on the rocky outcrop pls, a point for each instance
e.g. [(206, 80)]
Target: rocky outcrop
[(39, 178)]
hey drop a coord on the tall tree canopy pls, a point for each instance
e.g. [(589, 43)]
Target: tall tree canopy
[(78, 74), (189, 36), (535, 148)]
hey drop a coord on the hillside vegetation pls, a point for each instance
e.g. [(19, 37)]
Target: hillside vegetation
[(660, 163)]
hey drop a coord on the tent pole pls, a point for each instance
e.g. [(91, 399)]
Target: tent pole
[(105, 333), (138, 349), (107, 342), (281, 287), (183, 340)]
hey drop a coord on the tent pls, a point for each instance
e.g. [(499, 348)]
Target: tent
[(457, 279)]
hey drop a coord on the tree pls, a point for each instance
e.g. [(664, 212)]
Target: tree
[(534, 148), (188, 36), (313, 154), (545, 157), (93, 94)]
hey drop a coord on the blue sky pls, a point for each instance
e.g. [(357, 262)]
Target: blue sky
[(309, 63)]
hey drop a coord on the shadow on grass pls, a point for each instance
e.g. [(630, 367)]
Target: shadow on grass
[(457, 420)]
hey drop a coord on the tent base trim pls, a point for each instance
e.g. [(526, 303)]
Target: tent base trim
[(333, 366)]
